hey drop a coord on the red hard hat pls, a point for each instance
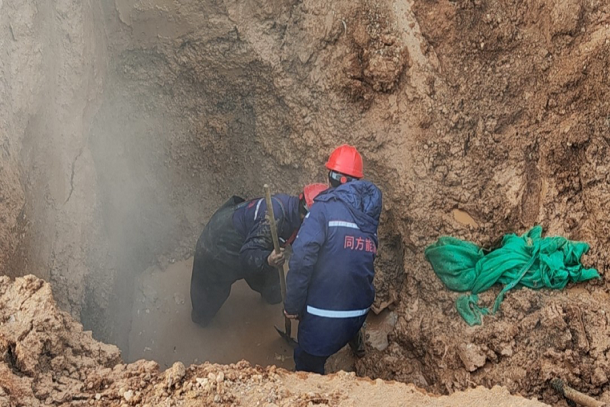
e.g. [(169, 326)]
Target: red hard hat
[(346, 160), (311, 191)]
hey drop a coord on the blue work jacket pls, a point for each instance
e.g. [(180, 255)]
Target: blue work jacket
[(250, 221), (330, 282)]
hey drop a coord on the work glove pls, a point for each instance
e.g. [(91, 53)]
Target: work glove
[(276, 259)]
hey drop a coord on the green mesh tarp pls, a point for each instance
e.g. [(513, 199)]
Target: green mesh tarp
[(529, 260)]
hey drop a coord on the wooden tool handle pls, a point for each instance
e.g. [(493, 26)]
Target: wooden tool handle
[(575, 395), (271, 217), (581, 398), (274, 236)]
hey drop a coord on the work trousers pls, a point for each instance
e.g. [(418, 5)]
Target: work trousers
[(305, 362), (208, 294)]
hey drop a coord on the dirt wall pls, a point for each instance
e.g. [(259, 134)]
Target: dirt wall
[(52, 68), (517, 135)]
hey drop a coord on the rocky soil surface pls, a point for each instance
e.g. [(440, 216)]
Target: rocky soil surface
[(47, 359), (516, 133)]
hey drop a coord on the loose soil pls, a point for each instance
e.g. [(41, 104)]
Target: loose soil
[(47, 359)]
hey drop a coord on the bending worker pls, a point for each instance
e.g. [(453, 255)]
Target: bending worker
[(330, 282), (236, 243)]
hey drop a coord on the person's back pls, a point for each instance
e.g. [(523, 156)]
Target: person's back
[(250, 221), (331, 271), (236, 244)]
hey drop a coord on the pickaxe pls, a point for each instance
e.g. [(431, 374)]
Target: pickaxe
[(276, 246)]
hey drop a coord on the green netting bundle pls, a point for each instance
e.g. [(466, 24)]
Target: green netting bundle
[(529, 260)]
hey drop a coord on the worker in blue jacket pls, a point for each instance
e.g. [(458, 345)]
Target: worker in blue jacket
[(236, 244), (330, 282)]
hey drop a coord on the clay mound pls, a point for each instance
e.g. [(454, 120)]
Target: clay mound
[(48, 359), (46, 356)]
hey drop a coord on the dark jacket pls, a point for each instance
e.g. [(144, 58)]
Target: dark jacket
[(330, 282), (250, 222)]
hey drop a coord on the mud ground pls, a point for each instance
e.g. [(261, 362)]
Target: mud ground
[(243, 329)]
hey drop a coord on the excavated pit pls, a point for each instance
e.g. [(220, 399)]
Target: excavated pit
[(125, 124)]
